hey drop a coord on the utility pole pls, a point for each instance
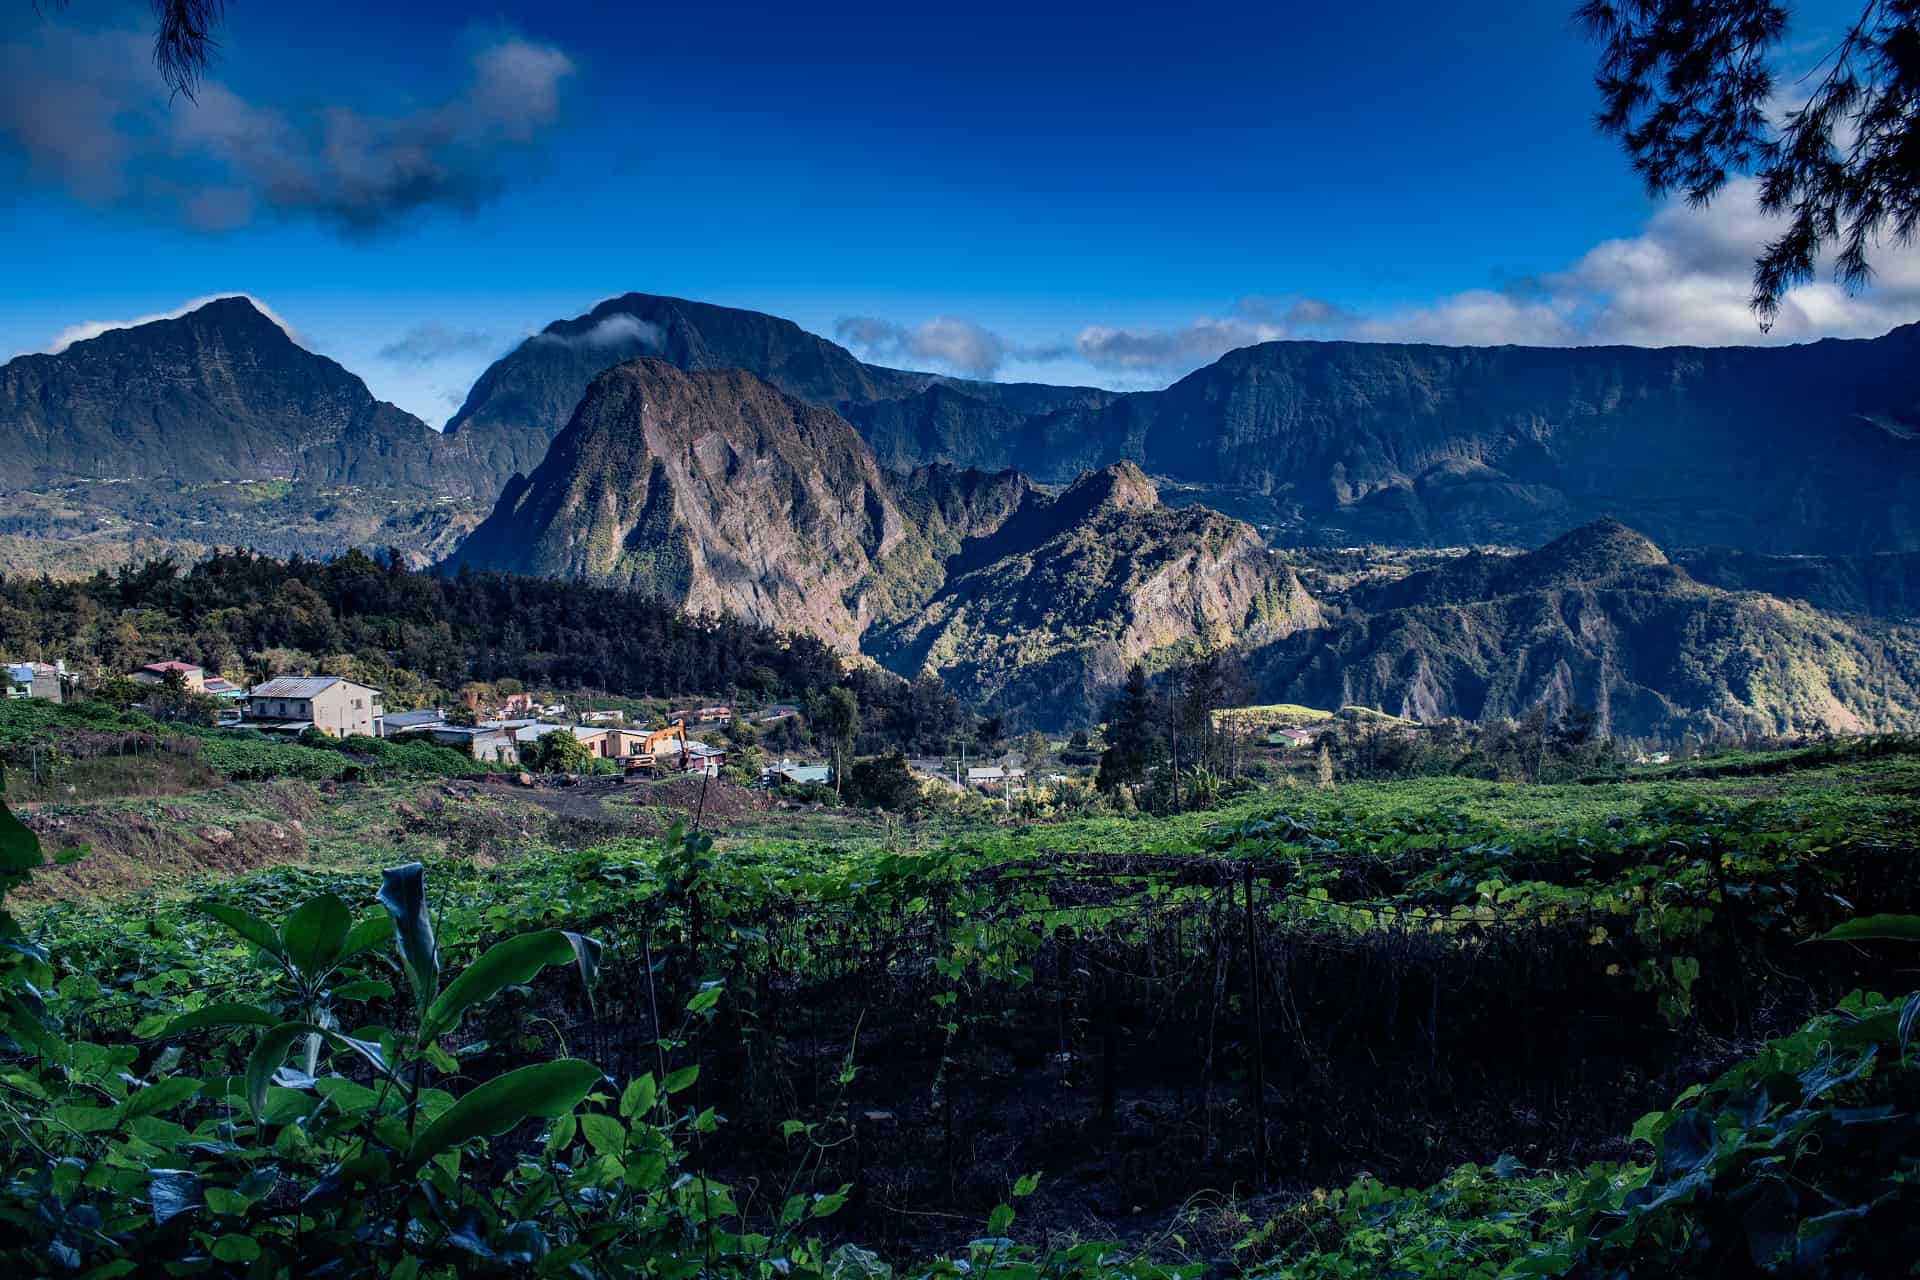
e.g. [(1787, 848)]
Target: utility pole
[(1176, 764)]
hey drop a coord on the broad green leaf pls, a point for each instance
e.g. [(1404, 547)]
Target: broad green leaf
[(506, 964), (271, 1053), (1025, 1184), (236, 1248), (1883, 928), (350, 1096), (682, 1079), (19, 847), (704, 999), (638, 1097), (316, 931), (403, 892), (367, 935), (228, 1014), (224, 1200), (543, 1091), (603, 1133), (364, 989), (156, 1098), (248, 925), (999, 1220), (267, 1057)]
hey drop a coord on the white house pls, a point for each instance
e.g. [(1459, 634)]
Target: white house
[(334, 705)]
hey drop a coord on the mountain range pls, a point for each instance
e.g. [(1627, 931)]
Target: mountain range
[(217, 427), (1030, 542), (719, 492), (1810, 449), (1601, 618)]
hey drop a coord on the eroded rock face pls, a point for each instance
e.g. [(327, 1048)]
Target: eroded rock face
[(713, 490), (719, 492), (1043, 617), (1600, 619), (911, 419), (221, 393), (1805, 449)]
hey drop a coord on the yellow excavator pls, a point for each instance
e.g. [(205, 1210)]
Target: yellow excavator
[(645, 761)]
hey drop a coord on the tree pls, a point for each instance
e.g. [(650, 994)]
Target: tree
[(1034, 746), (172, 700), (835, 718), (559, 752), (184, 44), (1687, 85), (884, 782), (1133, 734)]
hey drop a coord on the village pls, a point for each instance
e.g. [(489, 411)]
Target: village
[(508, 729)]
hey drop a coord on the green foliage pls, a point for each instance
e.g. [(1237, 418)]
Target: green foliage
[(884, 782), (559, 753), (1798, 1161), (324, 1026)]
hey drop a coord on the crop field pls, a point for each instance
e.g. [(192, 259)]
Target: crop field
[(1652, 1025)]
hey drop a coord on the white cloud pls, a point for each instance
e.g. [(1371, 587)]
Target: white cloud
[(617, 330), (94, 328), (1684, 280), (1253, 319), (945, 342)]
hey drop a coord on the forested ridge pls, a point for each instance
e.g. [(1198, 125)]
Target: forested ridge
[(422, 636)]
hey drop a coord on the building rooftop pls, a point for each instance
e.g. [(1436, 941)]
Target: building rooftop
[(161, 668), (529, 731), (413, 719), (802, 772), (295, 686)]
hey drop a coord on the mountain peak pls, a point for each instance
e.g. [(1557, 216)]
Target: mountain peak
[(1120, 485), (1597, 549)]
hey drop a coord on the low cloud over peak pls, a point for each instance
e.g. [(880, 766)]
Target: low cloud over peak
[(946, 342), (619, 329), (88, 113)]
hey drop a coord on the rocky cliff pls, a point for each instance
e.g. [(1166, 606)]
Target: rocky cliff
[(1040, 619), (219, 394), (1812, 448), (216, 427), (525, 398), (715, 490), (1602, 619), (711, 489)]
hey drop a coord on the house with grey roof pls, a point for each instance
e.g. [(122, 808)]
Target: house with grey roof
[(395, 723), (480, 741), (333, 705), (799, 775)]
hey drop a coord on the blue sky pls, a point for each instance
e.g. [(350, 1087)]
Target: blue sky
[(1067, 194)]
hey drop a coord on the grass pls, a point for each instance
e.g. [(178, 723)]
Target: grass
[(61, 746), (1281, 714)]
